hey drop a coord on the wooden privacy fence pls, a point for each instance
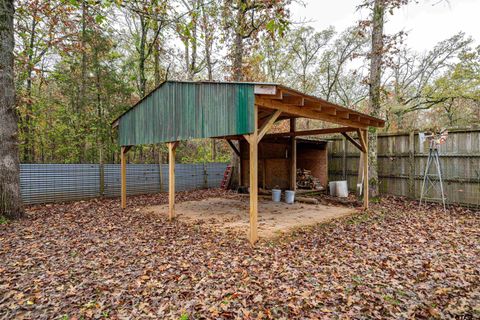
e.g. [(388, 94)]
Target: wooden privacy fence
[(43, 183), (402, 160)]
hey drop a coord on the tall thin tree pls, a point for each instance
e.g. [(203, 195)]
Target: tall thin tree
[(376, 55), (10, 199)]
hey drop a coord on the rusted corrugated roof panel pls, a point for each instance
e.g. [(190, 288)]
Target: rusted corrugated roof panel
[(186, 110)]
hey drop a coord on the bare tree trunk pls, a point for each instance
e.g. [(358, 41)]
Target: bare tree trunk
[(83, 84), (208, 42), (156, 57), (238, 47), (27, 125), (192, 69), (10, 199), (141, 67), (237, 76), (374, 90)]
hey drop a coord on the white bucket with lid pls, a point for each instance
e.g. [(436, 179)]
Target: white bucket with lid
[(341, 189), (289, 196), (332, 186), (276, 195)]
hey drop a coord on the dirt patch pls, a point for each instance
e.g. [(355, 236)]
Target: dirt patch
[(273, 217)]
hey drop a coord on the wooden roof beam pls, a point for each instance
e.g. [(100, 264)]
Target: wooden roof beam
[(305, 112), (311, 132)]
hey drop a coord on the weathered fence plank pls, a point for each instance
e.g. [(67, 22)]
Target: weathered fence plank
[(402, 160)]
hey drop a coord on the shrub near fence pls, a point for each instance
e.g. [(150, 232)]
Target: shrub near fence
[(402, 160), (43, 183)]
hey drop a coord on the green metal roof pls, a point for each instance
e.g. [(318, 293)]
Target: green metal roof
[(177, 111)]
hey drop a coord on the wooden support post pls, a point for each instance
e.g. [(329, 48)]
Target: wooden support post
[(172, 147), (240, 166), (365, 171), (293, 160), (344, 159), (253, 140), (361, 139), (123, 175)]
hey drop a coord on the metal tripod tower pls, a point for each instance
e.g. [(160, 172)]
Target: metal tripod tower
[(433, 181)]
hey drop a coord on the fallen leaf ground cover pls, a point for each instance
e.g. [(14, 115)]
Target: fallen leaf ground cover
[(91, 259)]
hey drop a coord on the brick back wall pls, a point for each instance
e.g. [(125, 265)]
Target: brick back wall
[(274, 163), (315, 160)]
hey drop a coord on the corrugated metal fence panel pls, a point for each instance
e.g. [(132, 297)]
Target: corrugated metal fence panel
[(41, 183), (215, 172), (189, 177), (459, 157), (141, 179)]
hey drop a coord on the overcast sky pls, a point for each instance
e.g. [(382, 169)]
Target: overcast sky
[(427, 22)]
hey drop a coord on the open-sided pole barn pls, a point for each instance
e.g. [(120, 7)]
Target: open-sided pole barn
[(177, 111)]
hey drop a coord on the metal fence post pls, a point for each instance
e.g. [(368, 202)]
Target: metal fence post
[(205, 176), (160, 169), (102, 180)]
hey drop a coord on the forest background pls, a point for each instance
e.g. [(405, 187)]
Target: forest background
[(81, 63)]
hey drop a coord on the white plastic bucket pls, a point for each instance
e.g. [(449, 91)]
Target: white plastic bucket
[(341, 189), (276, 195), (332, 186), (289, 196)]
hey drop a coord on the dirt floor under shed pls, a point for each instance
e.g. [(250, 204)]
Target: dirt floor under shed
[(274, 218)]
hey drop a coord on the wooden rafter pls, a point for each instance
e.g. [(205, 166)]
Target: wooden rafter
[(294, 100)]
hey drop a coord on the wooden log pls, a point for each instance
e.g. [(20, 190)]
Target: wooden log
[(307, 200)]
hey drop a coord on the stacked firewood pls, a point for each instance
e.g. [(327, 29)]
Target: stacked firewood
[(305, 180)]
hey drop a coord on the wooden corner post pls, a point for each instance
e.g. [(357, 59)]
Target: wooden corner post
[(253, 162), (172, 147), (123, 175), (293, 160), (365, 170)]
